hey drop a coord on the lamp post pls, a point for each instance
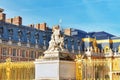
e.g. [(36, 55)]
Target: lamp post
[(72, 42), (44, 40)]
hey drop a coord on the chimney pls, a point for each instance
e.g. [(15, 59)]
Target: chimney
[(17, 20), (10, 20), (2, 15), (31, 25), (43, 26), (37, 26), (67, 31)]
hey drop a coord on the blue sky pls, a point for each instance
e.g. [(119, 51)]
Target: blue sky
[(87, 15)]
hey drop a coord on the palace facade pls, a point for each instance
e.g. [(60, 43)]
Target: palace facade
[(27, 43)]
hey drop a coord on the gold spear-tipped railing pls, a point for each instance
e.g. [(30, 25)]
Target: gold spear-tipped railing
[(97, 69), (17, 70)]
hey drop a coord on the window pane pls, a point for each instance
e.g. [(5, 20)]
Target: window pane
[(32, 54), (14, 52), (4, 51), (23, 53)]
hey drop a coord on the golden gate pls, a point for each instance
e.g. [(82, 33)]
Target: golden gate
[(97, 69), (17, 70)]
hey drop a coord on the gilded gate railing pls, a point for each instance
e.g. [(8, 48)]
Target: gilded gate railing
[(97, 69), (92, 69), (17, 70)]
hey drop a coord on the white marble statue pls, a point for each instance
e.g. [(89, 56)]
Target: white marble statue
[(57, 41)]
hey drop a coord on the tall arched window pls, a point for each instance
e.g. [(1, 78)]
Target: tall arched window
[(32, 54), (4, 51), (14, 52), (23, 53)]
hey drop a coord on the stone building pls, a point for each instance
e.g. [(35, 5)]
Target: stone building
[(22, 43), (27, 43)]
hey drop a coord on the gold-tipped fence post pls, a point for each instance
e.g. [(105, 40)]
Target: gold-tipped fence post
[(17, 70)]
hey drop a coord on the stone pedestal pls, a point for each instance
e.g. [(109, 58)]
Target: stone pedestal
[(54, 70), (56, 63)]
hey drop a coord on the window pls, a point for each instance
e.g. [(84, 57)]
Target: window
[(14, 52), (4, 51), (32, 54), (1, 31), (23, 53), (40, 54)]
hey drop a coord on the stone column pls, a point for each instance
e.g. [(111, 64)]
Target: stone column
[(10, 52), (28, 54), (19, 54), (0, 54)]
